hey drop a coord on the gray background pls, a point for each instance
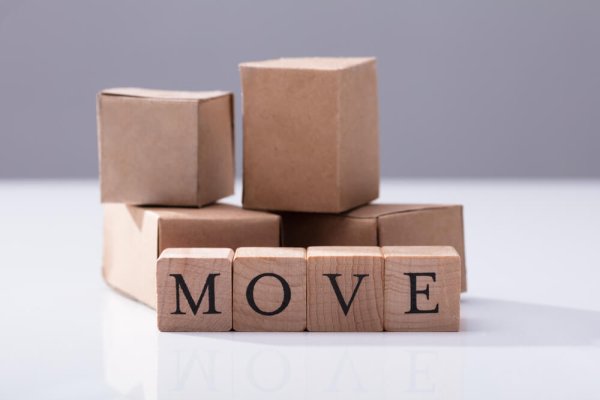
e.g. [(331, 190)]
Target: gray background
[(467, 88)]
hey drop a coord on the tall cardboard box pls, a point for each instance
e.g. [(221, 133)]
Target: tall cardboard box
[(380, 225), (165, 148), (311, 135), (135, 236)]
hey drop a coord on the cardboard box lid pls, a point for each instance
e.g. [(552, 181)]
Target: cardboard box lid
[(310, 63), (217, 211), (164, 94)]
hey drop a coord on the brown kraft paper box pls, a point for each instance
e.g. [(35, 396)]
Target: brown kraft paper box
[(135, 236), (311, 134), (380, 225), (165, 148)]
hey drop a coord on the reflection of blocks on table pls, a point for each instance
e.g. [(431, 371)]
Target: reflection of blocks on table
[(311, 140), (135, 236), (194, 290), (380, 225), (422, 288), (128, 348), (269, 289), (193, 367), (345, 289), (164, 147)]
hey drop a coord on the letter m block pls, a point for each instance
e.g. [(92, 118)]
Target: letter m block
[(194, 290)]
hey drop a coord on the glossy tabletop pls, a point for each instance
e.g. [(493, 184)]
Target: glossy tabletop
[(530, 321)]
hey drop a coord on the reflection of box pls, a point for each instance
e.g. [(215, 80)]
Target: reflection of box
[(380, 225), (134, 237), (311, 140), (165, 148)]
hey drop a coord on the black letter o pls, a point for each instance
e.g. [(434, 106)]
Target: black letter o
[(287, 294)]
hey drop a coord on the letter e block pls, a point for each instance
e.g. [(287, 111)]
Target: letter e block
[(269, 289), (422, 288), (194, 290), (345, 289)]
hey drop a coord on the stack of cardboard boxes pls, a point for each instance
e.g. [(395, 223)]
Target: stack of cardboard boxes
[(311, 168)]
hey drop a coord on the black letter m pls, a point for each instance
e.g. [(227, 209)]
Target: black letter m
[(195, 306)]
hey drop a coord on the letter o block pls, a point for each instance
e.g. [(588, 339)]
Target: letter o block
[(269, 289), (422, 288), (345, 289), (194, 290)]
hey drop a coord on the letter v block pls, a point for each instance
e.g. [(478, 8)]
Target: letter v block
[(345, 289), (422, 288), (194, 290), (269, 289)]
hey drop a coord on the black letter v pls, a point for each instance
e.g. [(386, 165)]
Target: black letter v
[(333, 279)]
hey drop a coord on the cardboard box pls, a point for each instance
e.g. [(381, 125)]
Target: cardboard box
[(311, 135), (135, 236), (165, 148), (380, 225)]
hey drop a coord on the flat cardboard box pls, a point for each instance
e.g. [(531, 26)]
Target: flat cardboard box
[(135, 236), (165, 148), (311, 134), (380, 225)]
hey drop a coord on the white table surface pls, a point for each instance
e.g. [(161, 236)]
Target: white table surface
[(530, 322)]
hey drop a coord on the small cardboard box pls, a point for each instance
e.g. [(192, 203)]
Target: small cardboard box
[(380, 225), (311, 134), (135, 236), (165, 148)]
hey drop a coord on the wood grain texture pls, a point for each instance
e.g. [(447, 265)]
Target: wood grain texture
[(193, 268), (344, 266), (411, 301), (268, 309)]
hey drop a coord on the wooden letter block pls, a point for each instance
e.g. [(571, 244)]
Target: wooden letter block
[(269, 289), (194, 290), (345, 289), (422, 288)]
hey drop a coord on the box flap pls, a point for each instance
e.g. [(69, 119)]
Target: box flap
[(379, 210), (215, 150), (310, 63), (217, 211), (130, 251), (164, 94)]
